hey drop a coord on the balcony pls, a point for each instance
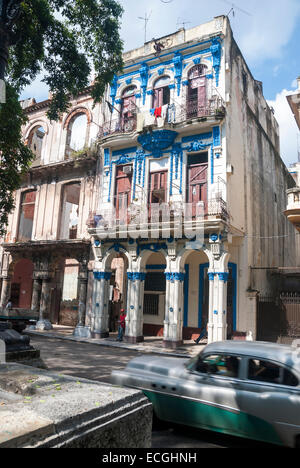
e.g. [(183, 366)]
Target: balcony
[(165, 220), (193, 110), (293, 209), (118, 126), (211, 108)]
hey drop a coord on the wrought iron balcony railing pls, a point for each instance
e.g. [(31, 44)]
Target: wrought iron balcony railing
[(167, 216), (117, 126), (176, 113)]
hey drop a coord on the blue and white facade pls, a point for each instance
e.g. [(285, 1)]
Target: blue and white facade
[(177, 129)]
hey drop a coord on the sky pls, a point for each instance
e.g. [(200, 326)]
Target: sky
[(267, 32)]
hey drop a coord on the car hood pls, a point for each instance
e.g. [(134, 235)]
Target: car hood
[(165, 366)]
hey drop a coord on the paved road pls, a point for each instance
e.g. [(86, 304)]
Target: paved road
[(96, 363)]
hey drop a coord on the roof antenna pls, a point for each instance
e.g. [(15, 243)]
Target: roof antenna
[(234, 8), (146, 19), (233, 13), (183, 22)]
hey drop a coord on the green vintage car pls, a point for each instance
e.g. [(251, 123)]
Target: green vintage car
[(246, 389)]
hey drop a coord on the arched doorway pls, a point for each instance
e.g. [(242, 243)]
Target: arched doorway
[(154, 295), (195, 295), (21, 286), (68, 314), (118, 290)]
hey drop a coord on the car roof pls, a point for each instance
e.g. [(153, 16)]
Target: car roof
[(258, 349)]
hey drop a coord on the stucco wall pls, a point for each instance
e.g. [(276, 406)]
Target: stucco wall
[(259, 175)]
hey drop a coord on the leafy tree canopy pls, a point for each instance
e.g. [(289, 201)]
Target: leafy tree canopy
[(66, 40)]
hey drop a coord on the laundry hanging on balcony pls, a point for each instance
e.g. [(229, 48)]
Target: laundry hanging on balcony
[(156, 116)]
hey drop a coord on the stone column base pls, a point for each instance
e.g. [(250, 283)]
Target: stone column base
[(172, 344), (44, 325), (134, 339), (99, 335), (82, 332)]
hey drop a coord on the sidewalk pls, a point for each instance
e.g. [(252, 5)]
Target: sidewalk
[(151, 344)]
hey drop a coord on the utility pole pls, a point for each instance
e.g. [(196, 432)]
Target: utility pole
[(9, 11)]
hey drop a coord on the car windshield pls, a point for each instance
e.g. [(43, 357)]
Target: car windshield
[(193, 361)]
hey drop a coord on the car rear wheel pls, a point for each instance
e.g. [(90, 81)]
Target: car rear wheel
[(297, 443)]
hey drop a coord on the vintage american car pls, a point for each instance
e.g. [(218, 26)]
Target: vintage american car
[(243, 388)]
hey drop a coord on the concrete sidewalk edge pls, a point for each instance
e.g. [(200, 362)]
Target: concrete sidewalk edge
[(107, 343)]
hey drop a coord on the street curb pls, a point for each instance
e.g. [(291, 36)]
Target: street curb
[(129, 347)]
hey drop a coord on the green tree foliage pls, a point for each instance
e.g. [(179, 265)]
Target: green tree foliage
[(66, 40)]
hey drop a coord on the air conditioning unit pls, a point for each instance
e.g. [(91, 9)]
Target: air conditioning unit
[(127, 169)]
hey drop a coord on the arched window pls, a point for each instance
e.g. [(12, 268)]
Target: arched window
[(161, 94), (35, 143), (128, 109), (197, 93), (76, 134)]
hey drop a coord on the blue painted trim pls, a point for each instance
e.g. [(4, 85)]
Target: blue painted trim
[(201, 136), (217, 136), (186, 295), (100, 275), (124, 151), (212, 165), (106, 157), (175, 277), (171, 173), (233, 266), (201, 291), (134, 276)]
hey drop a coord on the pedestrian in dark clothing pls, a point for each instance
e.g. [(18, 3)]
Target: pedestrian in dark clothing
[(203, 334)]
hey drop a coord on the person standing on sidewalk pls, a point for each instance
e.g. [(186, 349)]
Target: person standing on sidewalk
[(121, 328)]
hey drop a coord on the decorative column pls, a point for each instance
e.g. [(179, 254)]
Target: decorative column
[(221, 311), (218, 275), (81, 330), (100, 322), (36, 295), (173, 323), (5, 293), (44, 322), (135, 301), (217, 323)]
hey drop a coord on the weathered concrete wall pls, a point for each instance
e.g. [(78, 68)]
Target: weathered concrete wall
[(45, 410), (260, 176)]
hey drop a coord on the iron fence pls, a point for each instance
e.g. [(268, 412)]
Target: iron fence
[(278, 317)]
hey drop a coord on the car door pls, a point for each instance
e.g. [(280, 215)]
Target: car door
[(269, 402), (210, 397)]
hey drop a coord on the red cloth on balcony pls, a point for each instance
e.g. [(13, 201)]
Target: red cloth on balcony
[(157, 112)]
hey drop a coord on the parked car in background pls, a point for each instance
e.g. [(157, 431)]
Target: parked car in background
[(246, 389)]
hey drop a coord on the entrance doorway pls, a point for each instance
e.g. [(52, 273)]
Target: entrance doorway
[(197, 180), (155, 296)]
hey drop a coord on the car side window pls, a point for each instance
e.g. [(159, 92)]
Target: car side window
[(266, 371), (222, 365)]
